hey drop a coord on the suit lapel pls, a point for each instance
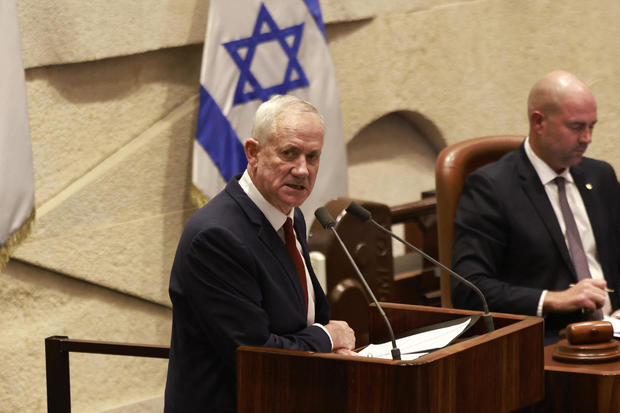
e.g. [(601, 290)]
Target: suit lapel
[(273, 243), (269, 238), (592, 204), (535, 191)]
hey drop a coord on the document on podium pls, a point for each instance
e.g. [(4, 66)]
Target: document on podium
[(421, 341)]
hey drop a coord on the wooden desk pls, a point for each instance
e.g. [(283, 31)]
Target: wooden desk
[(591, 387)]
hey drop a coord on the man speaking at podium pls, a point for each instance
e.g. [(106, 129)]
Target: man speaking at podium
[(242, 273), (539, 230)]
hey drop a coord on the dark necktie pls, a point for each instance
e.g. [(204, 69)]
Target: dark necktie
[(291, 246), (575, 246)]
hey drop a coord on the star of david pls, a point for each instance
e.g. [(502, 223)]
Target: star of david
[(248, 87)]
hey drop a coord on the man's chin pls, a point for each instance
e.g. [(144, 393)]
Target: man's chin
[(294, 199), (576, 160)]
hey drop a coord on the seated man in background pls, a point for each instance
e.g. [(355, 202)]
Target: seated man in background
[(242, 273), (539, 230)]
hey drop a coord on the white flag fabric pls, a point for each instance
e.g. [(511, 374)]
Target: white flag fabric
[(253, 50), (16, 173)]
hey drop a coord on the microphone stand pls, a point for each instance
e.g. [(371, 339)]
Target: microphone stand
[(328, 223), (364, 215)]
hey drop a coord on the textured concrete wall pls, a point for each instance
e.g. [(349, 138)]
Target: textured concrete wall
[(38, 304), (112, 91)]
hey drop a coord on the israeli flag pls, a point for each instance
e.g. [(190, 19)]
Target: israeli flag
[(16, 173), (253, 50)]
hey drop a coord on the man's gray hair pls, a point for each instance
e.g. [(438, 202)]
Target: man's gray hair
[(265, 119)]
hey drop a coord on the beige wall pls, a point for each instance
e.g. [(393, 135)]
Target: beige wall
[(112, 91)]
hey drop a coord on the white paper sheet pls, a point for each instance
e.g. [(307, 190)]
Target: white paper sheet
[(417, 345)]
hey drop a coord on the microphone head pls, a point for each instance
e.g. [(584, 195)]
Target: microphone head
[(359, 211), (324, 218)]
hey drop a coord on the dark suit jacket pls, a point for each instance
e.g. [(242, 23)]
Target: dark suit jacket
[(233, 283), (507, 239)]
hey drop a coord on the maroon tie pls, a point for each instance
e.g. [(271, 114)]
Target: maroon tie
[(291, 246)]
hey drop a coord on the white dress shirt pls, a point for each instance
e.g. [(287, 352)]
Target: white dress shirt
[(547, 176)]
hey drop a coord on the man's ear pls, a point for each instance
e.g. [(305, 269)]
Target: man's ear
[(251, 148), (537, 120)]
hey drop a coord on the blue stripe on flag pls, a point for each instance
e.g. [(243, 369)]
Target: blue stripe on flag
[(315, 11), (216, 135)]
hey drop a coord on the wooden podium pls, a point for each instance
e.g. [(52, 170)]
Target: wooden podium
[(484, 372)]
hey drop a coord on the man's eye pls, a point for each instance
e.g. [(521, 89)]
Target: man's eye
[(288, 153)]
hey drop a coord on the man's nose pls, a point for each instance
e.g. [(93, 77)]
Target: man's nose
[(301, 166), (586, 136)]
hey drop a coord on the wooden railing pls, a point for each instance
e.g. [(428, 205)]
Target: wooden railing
[(57, 349)]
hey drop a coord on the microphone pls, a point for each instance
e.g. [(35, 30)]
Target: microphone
[(328, 222), (364, 215)]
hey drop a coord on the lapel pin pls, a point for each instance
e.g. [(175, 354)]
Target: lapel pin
[(589, 186)]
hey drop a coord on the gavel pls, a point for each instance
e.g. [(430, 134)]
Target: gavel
[(587, 342), (589, 332)]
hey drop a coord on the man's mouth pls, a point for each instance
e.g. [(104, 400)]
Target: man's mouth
[(296, 186)]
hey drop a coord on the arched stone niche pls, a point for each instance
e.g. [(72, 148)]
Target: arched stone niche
[(392, 159)]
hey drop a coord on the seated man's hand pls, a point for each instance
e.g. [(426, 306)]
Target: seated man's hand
[(343, 336), (588, 294)]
